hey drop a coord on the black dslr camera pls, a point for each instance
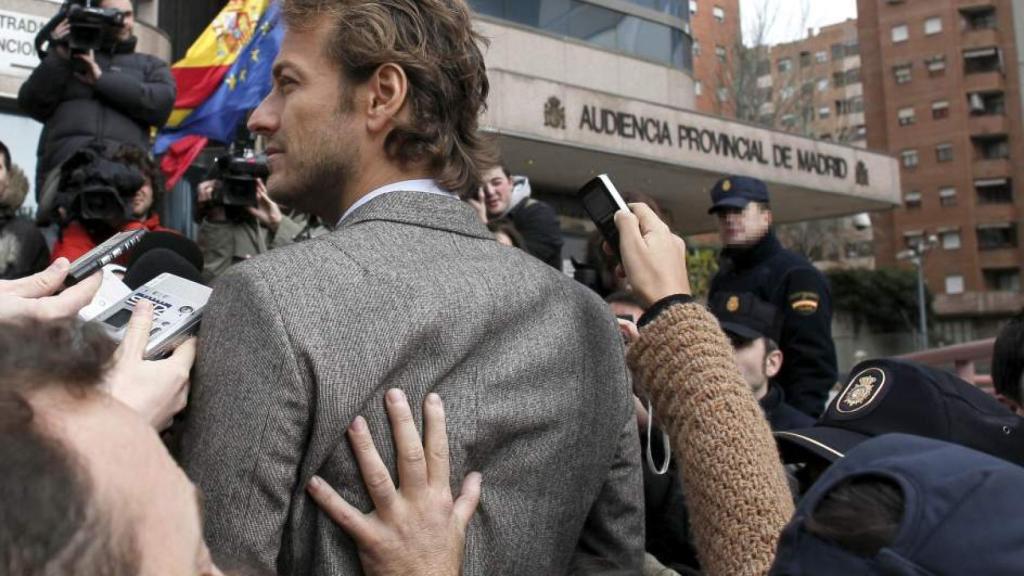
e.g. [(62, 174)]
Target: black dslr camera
[(91, 27), (95, 188), (236, 179)]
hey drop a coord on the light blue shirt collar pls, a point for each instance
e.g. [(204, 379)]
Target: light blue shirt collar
[(426, 186)]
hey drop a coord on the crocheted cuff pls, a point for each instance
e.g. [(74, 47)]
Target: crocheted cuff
[(660, 306)]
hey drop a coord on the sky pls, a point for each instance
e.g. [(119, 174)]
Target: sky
[(789, 21)]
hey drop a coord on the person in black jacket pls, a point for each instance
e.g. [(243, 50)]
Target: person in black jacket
[(114, 95), (536, 221), (754, 262), (752, 326), (23, 250)]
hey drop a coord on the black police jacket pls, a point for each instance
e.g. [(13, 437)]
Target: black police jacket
[(134, 93), (780, 415), (801, 293)]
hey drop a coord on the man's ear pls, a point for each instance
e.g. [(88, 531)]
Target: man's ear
[(773, 363), (1011, 404), (387, 90)]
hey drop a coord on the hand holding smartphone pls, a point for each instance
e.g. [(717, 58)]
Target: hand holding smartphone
[(601, 200)]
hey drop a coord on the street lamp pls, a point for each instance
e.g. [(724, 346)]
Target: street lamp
[(915, 255)]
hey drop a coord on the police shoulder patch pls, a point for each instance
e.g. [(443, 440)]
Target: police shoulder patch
[(861, 391), (805, 303)]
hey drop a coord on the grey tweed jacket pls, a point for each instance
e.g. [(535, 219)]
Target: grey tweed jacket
[(413, 292)]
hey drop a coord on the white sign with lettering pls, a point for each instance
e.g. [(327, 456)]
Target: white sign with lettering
[(17, 42)]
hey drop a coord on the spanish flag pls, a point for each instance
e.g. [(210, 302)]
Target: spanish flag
[(225, 73)]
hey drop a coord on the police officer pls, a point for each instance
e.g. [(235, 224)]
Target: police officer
[(753, 261), (753, 327)]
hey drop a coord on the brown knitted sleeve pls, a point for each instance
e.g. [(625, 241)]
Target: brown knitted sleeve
[(734, 484)]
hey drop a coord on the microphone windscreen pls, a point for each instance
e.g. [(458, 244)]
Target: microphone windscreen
[(177, 243), (156, 262)]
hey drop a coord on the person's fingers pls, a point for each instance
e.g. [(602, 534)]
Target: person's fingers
[(70, 301), (185, 354), (649, 221), (261, 188), (351, 520), (40, 284), (412, 467), (375, 473), (628, 225), (469, 498), (435, 441), (136, 335)]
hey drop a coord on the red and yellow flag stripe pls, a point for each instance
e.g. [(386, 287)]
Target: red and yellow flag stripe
[(202, 69)]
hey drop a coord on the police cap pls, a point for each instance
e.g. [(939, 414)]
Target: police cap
[(735, 192)]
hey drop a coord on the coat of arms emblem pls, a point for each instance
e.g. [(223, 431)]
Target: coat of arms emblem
[(554, 113), (863, 389)]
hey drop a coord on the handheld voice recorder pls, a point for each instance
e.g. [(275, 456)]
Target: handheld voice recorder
[(601, 201), (177, 310), (90, 262)]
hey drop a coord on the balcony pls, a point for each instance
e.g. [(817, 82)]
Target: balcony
[(974, 39), (987, 125), (992, 169), (985, 82)]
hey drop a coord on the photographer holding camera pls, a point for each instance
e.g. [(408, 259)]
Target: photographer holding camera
[(92, 86), (238, 220), (101, 196)]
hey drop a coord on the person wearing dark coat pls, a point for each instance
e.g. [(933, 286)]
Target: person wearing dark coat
[(114, 95), (755, 263)]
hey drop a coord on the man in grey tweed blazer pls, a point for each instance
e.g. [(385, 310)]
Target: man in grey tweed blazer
[(409, 291)]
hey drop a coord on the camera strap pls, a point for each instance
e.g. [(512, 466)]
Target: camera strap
[(660, 471)]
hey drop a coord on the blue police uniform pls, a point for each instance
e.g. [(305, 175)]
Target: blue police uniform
[(792, 284)]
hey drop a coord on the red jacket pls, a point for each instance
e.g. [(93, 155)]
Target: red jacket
[(76, 240)]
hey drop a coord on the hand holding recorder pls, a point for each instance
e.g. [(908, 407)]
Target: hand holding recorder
[(32, 298)]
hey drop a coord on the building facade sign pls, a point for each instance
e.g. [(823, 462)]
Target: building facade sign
[(17, 42), (531, 107)]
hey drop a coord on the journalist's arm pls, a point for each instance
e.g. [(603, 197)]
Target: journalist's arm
[(735, 486), (150, 101), (43, 91)]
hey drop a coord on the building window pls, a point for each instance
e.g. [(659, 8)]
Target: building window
[(852, 76), (785, 65), (838, 52), (947, 196), (906, 116), (860, 132), (824, 112), (987, 103), (944, 153), (913, 239), (900, 33), (954, 284), (821, 56), (933, 26), (696, 48), (723, 94), (940, 109), (950, 240), (789, 120), (852, 49), (981, 18), (805, 59), (982, 60), (909, 158), (721, 54), (912, 200), (839, 79), (994, 191), (992, 148), (719, 13), (698, 88), (902, 72), (997, 236), (693, 7), (1002, 279), (936, 65), (822, 84)]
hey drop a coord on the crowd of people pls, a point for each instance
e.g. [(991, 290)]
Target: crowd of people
[(394, 376)]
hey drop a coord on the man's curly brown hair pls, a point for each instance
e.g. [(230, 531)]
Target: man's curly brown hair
[(435, 44)]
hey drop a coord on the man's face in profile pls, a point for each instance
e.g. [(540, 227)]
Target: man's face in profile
[(310, 125)]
